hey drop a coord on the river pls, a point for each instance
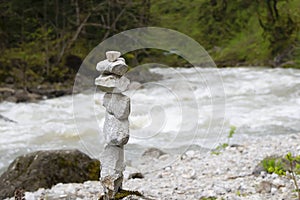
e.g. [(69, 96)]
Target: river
[(179, 112)]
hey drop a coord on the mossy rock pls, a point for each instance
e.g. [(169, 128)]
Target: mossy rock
[(43, 169)]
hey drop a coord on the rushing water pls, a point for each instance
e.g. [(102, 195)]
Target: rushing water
[(180, 111)]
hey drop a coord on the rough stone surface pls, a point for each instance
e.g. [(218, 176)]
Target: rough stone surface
[(117, 105), (112, 159), (116, 131), (112, 171), (47, 168), (112, 83), (116, 124), (112, 55), (117, 67)]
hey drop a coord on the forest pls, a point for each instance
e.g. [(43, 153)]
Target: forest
[(44, 42)]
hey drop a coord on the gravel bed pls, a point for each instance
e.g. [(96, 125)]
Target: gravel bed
[(195, 174)]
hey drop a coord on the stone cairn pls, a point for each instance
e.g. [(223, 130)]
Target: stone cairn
[(116, 125)]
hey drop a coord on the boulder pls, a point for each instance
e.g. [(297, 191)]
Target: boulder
[(43, 169), (153, 152)]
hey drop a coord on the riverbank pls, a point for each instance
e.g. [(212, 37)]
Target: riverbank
[(196, 175)]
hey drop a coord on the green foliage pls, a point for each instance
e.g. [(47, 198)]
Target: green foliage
[(220, 147), (273, 165), (208, 198), (38, 36), (282, 166), (223, 27), (231, 132), (294, 166)]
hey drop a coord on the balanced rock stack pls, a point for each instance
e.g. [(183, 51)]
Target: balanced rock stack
[(116, 125)]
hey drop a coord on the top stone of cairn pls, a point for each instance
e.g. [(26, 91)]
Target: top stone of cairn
[(112, 55)]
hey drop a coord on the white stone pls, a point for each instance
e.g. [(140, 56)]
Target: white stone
[(117, 105), (116, 131), (112, 83), (117, 67), (112, 55)]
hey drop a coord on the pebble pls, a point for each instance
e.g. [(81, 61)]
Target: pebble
[(191, 179)]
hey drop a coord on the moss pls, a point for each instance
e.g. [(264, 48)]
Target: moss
[(208, 198), (124, 193), (94, 170)]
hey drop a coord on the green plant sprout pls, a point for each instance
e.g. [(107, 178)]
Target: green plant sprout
[(293, 166), (220, 147), (281, 166), (273, 165)]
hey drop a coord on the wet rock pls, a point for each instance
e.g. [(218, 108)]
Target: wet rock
[(6, 119), (50, 92), (43, 169), (24, 96), (6, 93), (136, 175), (117, 105)]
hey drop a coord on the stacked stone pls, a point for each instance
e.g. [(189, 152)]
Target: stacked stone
[(116, 125)]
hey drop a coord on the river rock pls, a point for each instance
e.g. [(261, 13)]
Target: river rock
[(112, 55), (113, 166), (43, 169), (116, 131), (153, 152), (117, 67), (117, 105), (264, 187), (112, 83), (134, 175)]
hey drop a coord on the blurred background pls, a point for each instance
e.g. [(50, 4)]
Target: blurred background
[(44, 42)]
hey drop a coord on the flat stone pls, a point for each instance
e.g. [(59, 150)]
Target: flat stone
[(117, 67), (117, 105), (112, 55), (112, 83), (116, 131)]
